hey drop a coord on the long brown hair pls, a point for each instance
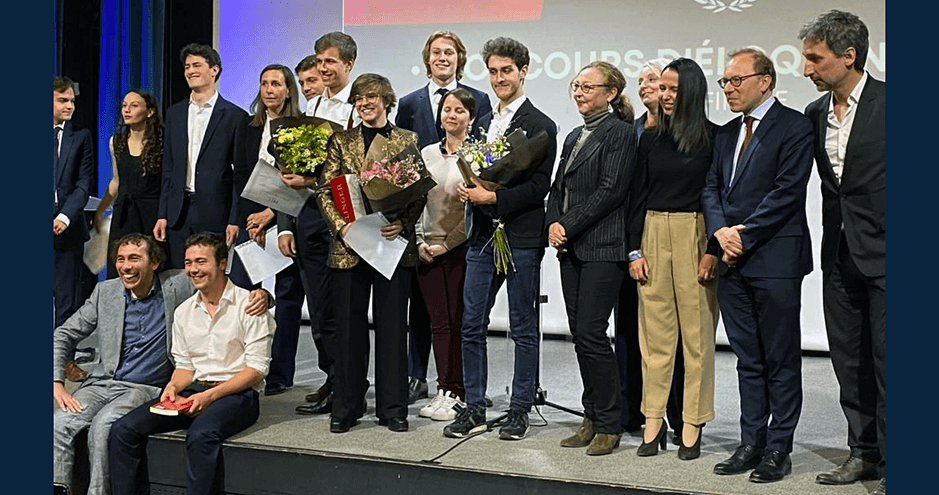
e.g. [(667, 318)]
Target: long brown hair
[(151, 158)]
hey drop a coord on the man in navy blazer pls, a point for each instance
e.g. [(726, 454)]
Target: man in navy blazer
[(199, 193), (444, 59), (73, 168), (520, 207), (850, 150), (754, 205)]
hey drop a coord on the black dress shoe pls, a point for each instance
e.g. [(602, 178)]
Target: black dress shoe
[(274, 389), (745, 458), (321, 393), (849, 471), (416, 390), (774, 467), (394, 424), (337, 425), (322, 407)]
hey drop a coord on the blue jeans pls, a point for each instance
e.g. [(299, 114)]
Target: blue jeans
[(103, 402), (479, 293)]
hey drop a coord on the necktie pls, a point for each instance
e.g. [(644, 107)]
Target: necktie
[(748, 120), (440, 131)]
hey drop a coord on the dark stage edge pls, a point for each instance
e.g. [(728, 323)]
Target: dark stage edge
[(263, 470), (285, 453)]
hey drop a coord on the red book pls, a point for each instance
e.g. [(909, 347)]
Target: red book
[(170, 408), (347, 195)]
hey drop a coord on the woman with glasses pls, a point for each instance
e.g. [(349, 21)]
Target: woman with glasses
[(586, 223), (353, 279), (671, 259)]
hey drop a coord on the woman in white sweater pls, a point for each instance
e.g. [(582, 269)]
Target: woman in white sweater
[(440, 242)]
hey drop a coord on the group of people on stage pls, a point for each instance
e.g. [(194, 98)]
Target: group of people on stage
[(681, 215)]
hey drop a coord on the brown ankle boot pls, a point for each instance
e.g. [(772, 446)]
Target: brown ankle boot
[(583, 436), (603, 444)]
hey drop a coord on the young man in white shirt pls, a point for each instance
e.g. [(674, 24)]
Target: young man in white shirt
[(221, 356)]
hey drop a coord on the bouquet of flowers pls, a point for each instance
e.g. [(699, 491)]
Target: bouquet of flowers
[(393, 177), (497, 165), (298, 144)]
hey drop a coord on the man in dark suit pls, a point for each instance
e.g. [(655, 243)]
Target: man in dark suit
[(444, 58), (520, 208), (199, 193), (754, 205), (335, 56), (72, 169), (850, 150)]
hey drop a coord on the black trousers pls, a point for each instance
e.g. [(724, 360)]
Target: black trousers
[(351, 289), (288, 290), (589, 302), (313, 239), (856, 322), (206, 432)]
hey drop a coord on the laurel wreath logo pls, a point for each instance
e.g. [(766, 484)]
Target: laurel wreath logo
[(716, 6)]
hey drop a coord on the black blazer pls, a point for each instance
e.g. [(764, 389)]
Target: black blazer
[(597, 184), (216, 192), (860, 201), (73, 182), (416, 114), (768, 195), (521, 206)]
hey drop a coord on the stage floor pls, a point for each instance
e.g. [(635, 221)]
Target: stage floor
[(819, 443)]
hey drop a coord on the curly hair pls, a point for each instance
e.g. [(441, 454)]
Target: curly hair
[(151, 158)]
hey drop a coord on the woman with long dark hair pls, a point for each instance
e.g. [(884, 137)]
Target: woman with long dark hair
[(137, 165), (671, 259), (586, 223)]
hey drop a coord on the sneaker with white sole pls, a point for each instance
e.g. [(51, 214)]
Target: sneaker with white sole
[(445, 410), (428, 410), (516, 426), (469, 421)]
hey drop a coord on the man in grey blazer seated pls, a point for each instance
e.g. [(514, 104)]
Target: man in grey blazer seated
[(131, 315)]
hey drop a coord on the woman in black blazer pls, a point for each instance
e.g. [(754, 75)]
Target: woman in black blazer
[(586, 224), (277, 97)]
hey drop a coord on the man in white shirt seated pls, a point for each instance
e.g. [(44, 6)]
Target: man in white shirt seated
[(221, 356)]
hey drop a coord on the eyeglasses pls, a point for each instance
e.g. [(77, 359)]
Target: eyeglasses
[(736, 80), (586, 87), (367, 97)]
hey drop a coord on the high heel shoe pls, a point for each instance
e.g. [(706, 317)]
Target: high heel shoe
[(652, 448), (693, 452)]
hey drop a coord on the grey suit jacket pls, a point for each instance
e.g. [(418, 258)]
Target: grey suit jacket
[(104, 312)]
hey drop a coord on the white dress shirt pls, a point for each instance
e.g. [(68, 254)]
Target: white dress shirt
[(216, 348), (836, 137), (199, 116), (758, 113), (434, 97), (501, 120), (62, 217), (336, 108)]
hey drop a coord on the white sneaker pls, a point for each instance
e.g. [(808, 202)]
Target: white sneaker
[(445, 411), (428, 410)]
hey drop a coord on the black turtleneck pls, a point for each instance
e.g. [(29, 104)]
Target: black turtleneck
[(368, 133)]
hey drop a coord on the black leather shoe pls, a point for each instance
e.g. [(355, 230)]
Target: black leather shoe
[(416, 390), (60, 489), (745, 458), (321, 393), (337, 425), (274, 389), (774, 467), (394, 424), (324, 406), (849, 471)]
